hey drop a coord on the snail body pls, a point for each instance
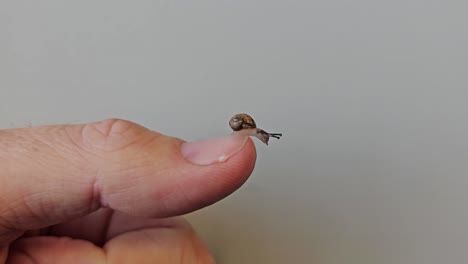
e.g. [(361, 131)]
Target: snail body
[(244, 124)]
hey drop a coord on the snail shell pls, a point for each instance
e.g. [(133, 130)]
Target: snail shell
[(242, 121)]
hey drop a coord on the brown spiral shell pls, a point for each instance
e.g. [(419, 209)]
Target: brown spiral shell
[(242, 121)]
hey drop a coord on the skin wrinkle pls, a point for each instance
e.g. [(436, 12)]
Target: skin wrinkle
[(106, 131), (184, 194), (77, 138), (6, 207), (138, 229), (138, 171), (82, 152), (166, 202), (95, 190), (20, 251), (15, 220), (14, 146), (163, 196), (96, 199), (41, 215), (106, 230), (45, 208), (6, 223), (14, 226), (75, 155), (142, 147), (4, 250), (125, 205), (8, 234), (35, 204), (58, 155), (63, 209), (162, 207), (103, 127), (40, 135), (137, 144), (115, 135)]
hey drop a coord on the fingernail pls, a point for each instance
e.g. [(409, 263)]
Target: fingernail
[(211, 151)]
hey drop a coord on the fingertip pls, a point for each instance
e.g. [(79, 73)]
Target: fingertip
[(240, 166), (199, 186)]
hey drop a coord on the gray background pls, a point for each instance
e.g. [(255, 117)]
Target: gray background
[(370, 95)]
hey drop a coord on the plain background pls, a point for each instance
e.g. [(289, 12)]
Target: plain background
[(370, 95)]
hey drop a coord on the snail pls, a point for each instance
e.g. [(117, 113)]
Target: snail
[(244, 124)]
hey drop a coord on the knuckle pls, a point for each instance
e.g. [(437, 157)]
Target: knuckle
[(112, 126), (112, 134)]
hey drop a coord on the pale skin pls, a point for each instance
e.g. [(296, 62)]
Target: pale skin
[(110, 192)]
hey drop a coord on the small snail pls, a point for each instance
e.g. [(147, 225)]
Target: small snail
[(244, 124)]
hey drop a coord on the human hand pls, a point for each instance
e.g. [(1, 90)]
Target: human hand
[(108, 192)]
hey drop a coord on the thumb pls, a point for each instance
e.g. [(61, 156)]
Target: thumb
[(55, 173)]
